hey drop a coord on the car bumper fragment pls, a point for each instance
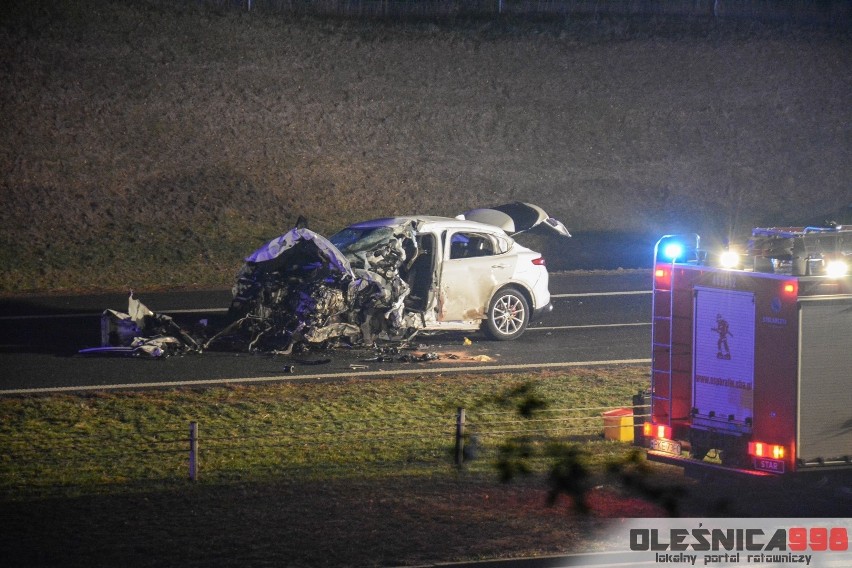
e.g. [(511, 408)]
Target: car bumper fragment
[(546, 309)]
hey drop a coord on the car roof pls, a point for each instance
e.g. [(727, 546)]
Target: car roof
[(427, 223)]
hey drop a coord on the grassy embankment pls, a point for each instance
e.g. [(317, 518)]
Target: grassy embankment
[(152, 144), (345, 474), (112, 441)]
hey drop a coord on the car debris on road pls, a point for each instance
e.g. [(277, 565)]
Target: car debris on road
[(384, 280), (141, 333)]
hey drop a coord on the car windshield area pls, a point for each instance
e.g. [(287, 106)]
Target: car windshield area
[(351, 240), (384, 249)]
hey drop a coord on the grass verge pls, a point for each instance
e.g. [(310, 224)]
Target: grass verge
[(355, 473), (106, 442)]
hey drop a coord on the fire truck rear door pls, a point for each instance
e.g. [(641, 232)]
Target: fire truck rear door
[(825, 379), (723, 354)]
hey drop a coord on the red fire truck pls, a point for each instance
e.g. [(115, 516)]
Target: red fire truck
[(752, 353)]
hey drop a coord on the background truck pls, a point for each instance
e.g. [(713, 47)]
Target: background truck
[(752, 353)]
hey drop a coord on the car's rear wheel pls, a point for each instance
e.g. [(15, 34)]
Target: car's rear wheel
[(508, 315)]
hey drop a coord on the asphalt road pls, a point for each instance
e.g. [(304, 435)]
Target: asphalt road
[(598, 318)]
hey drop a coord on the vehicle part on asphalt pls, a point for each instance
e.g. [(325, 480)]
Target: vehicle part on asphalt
[(141, 333)]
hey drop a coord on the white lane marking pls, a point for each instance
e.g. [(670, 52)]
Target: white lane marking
[(225, 310), (589, 326), (99, 314), (50, 316), (584, 294), (345, 374), (200, 311)]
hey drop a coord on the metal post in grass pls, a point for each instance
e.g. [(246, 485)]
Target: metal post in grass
[(640, 409), (193, 451), (460, 437)]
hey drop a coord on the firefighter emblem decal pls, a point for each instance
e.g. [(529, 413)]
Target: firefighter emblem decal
[(722, 328)]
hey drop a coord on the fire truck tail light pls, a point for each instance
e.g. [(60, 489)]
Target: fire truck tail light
[(652, 430), (762, 450)]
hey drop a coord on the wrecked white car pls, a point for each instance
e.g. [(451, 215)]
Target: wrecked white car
[(392, 278)]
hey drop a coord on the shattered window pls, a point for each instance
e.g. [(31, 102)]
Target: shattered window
[(354, 240), (469, 245)]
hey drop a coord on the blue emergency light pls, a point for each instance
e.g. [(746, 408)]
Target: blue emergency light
[(677, 248), (673, 251)]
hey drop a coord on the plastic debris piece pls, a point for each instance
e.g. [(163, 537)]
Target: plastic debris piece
[(313, 361)]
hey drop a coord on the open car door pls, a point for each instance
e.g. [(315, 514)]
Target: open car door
[(515, 218)]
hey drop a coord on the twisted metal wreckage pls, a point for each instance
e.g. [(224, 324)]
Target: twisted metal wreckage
[(296, 291)]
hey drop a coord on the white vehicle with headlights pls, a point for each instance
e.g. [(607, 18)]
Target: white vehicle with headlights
[(798, 251), (394, 277), (803, 251)]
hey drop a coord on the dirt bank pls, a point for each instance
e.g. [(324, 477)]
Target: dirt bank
[(147, 144)]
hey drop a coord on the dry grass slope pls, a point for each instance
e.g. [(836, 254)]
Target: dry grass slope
[(147, 144)]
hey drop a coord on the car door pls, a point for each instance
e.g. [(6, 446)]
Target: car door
[(475, 264)]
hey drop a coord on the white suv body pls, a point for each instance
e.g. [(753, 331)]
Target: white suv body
[(464, 273)]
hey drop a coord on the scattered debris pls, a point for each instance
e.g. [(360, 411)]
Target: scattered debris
[(142, 333), (313, 361)]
